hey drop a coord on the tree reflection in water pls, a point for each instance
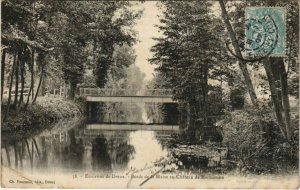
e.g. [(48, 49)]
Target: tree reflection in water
[(100, 157), (111, 153), (120, 151), (73, 154), (117, 143), (68, 147), (124, 153)]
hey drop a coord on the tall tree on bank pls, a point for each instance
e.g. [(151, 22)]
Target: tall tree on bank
[(188, 53), (112, 26), (67, 28), (279, 89), (18, 37), (242, 64)]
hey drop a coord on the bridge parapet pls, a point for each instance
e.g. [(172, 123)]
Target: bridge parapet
[(123, 92)]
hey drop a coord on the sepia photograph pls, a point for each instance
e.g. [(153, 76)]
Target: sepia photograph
[(190, 94)]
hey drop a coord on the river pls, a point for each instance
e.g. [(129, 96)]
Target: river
[(77, 145), (78, 153)]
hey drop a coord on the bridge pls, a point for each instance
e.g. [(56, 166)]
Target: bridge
[(132, 127), (119, 130), (125, 95)]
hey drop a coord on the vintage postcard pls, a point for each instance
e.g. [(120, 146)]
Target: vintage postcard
[(150, 94)]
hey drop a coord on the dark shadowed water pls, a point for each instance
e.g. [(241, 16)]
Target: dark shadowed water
[(73, 145)]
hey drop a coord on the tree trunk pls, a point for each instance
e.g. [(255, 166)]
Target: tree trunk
[(17, 81), (32, 80), (242, 64), (275, 99), (188, 119), (2, 71), (65, 90), (10, 85), (22, 83), (42, 90), (72, 90), (276, 74), (39, 85), (32, 75), (29, 94), (221, 87), (205, 94), (285, 98)]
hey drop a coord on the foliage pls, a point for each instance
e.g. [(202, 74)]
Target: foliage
[(161, 113), (190, 54), (124, 74), (71, 36), (123, 57), (254, 150), (279, 80), (127, 79), (45, 111), (237, 99)]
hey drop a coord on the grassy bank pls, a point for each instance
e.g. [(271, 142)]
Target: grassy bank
[(44, 112)]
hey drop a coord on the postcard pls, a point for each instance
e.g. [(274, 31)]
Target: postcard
[(150, 94)]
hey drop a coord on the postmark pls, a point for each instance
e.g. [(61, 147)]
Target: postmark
[(265, 31)]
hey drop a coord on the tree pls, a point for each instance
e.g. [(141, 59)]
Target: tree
[(276, 76), (242, 64), (111, 29), (19, 25), (189, 54)]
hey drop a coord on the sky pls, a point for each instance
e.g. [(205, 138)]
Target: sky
[(146, 31)]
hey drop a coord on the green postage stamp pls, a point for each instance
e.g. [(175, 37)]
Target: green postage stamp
[(265, 31)]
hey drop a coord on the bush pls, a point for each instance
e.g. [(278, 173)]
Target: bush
[(237, 99), (46, 110), (256, 150)]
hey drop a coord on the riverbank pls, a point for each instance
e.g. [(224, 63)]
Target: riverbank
[(45, 111)]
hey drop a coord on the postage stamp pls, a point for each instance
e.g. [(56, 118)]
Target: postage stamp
[(265, 31)]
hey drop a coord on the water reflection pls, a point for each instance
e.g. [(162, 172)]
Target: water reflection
[(100, 157), (69, 148), (72, 154), (79, 145), (147, 148)]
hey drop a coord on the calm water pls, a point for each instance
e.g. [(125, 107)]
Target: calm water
[(73, 145)]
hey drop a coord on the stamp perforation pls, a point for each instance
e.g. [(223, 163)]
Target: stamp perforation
[(284, 10)]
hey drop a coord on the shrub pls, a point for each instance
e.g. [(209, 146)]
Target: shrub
[(257, 150), (46, 110), (237, 98)]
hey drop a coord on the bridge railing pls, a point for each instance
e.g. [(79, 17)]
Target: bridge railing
[(158, 92), (123, 92)]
